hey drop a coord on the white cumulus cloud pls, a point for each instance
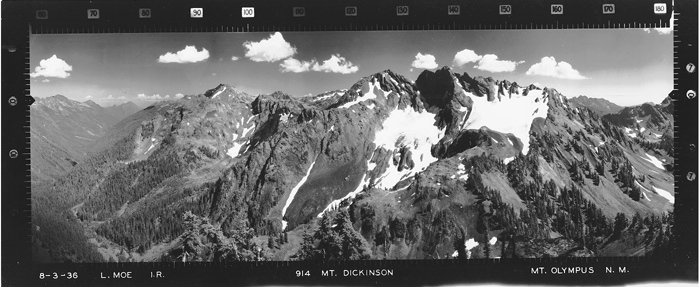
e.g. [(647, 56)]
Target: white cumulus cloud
[(153, 98), (272, 49), (234, 58), (336, 64), (45, 80), (548, 66), (488, 62), (426, 61), (296, 66), (465, 56), (491, 63), (52, 67), (179, 95), (187, 55)]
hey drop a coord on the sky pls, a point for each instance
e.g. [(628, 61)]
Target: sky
[(625, 66)]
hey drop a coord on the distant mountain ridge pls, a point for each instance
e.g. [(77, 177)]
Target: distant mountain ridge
[(121, 111), (598, 105), (62, 131), (417, 165)]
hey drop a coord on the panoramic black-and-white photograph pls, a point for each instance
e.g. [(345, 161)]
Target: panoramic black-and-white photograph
[(294, 146)]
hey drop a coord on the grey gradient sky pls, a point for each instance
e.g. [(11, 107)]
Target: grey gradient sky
[(625, 66)]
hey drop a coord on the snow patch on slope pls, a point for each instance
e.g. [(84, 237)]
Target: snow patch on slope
[(655, 161), (665, 194), (235, 150), (513, 114), (246, 130), (470, 244), (149, 149), (294, 192), (364, 181), (369, 91), (645, 193), (414, 130), (219, 92), (461, 172)]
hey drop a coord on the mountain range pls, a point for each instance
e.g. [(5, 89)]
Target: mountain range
[(63, 130), (448, 165), (599, 106)]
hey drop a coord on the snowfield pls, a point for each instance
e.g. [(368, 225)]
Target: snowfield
[(665, 194), (513, 113), (327, 96), (411, 129), (294, 192), (508, 159), (218, 93), (652, 159), (368, 91), (235, 150)]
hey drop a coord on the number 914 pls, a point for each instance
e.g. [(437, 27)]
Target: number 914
[(303, 273)]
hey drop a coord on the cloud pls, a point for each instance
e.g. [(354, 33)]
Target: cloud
[(272, 49), (549, 67), (152, 98), (296, 66), (52, 67), (88, 97), (488, 62), (491, 63), (426, 61), (465, 56), (110, 97), (45, 80), (234, 58), (179, 95), (187, 55), (336, 64)]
